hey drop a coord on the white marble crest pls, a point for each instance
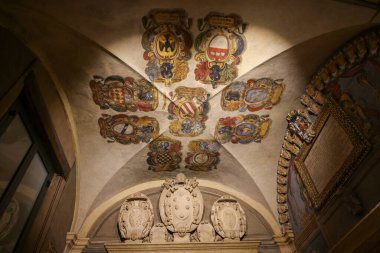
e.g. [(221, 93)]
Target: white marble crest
[(136, 217), (181, 206), (206, 232), (228, 218), (159, 234)]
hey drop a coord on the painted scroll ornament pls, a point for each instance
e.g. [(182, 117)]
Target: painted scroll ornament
[(219, 48), (128, 129), (167, 44), (188, 111), (135, 217), (181, 206), (203, 155), (124, 94), (228, 218), (242, 128), (253, 95), (165, 154)]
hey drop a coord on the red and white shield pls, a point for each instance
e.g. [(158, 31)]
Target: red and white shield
[(187, 110), (218, 48)]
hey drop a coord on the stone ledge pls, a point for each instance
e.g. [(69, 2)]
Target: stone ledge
[(215, 247)]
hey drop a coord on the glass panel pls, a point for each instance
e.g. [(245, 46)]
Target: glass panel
[(14, 219), (14, 143)]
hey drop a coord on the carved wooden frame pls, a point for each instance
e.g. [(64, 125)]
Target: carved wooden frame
[(361, 146)]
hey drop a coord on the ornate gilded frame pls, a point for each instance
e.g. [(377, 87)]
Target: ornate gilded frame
[(361, 146)]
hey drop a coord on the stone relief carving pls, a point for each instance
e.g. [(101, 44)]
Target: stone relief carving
[(9, 218), (181, 210), (206, 232), (181, 206), (136, 217), (228, 218), (159, 234)]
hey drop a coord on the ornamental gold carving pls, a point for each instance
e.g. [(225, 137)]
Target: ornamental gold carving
[(181, 206), (135, 217), (228, 218)]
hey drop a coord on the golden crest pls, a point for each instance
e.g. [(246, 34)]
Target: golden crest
[(188, 111), (219, 48), (124, 94), (253, 95), (242, 128), (128, 129), (203, 155), (167, 44), (165, 154)]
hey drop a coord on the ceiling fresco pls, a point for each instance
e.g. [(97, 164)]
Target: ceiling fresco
[(167, 44), (253, 95), (219, 48), (155, 92)]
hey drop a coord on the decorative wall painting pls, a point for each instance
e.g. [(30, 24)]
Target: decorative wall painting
[(165, 154), (203, 155), (219, 47), (124, 94), (358, 92), (128, 129), (242, 128), (188, 111), (253, 95), (301, 213), (167, 44)]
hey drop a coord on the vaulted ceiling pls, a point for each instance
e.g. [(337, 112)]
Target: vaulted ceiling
[(79, 39)]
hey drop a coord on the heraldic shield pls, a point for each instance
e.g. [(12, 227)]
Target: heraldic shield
[(136, 217), (228, 218), (181, 206)]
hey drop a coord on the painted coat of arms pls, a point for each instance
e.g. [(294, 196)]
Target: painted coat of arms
[(203, 155), (242, 128), (165, 154), (124, 94), (188, 111), (167, 44), (253, 95), (128, 129), (301, 124), (219, 48)]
